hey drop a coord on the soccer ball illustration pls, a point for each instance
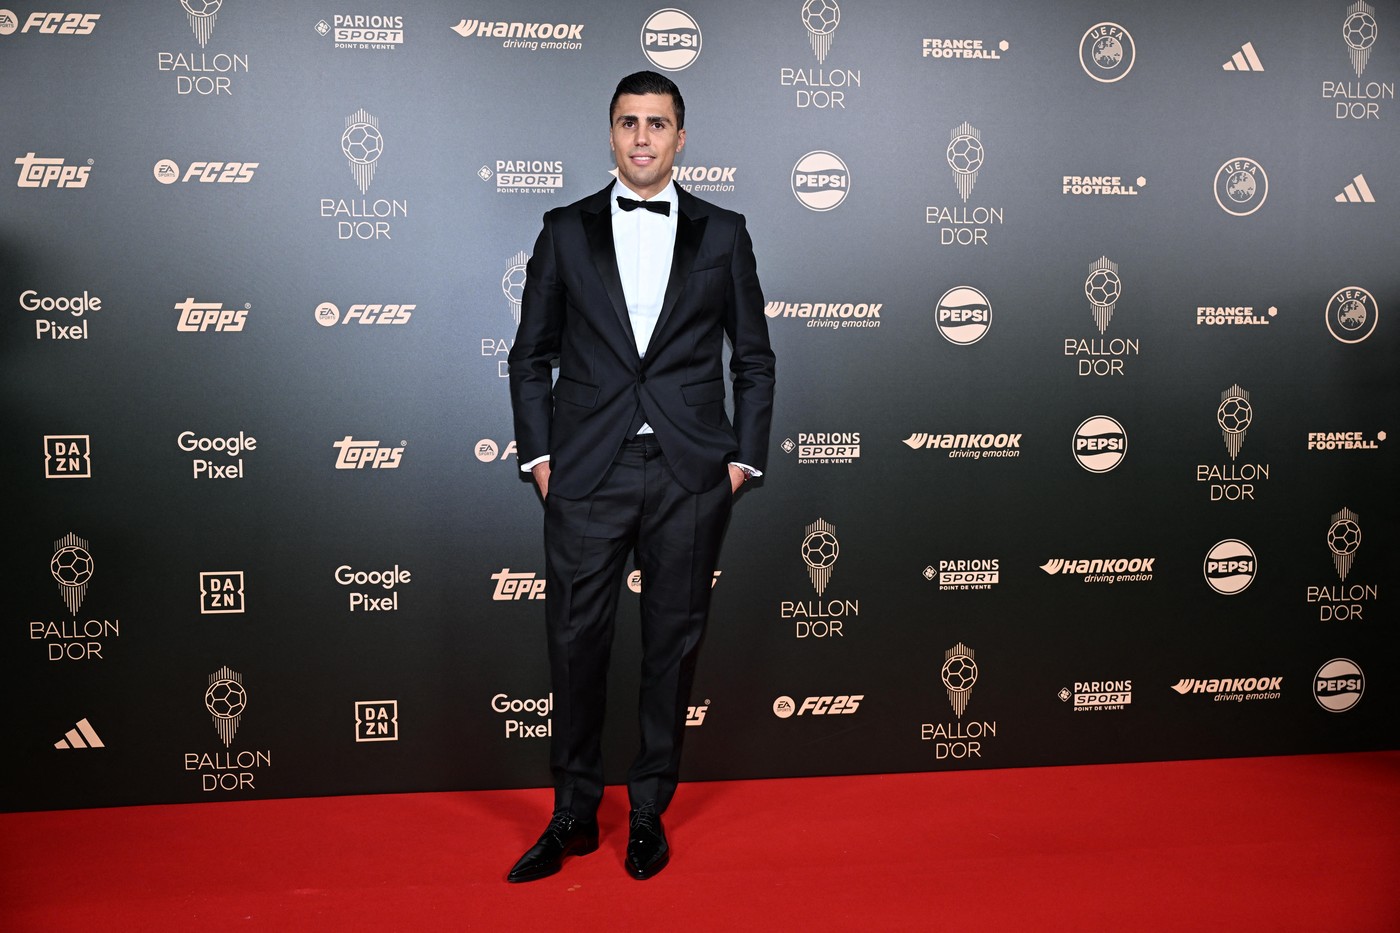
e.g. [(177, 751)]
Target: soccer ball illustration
[(225, 699), (959, 673), (820, 550), (361, 143), (1360, 30), (71, 566), (1234, 415), (821, 16), (1103, 287), (1108, 52), (202, 7), (1240, 186), (513, 283), (965, 155), (1344, 537)]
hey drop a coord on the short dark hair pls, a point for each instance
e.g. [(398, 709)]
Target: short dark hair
[(649, 82)]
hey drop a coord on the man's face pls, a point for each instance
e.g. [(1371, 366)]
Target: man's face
[(645, 141)]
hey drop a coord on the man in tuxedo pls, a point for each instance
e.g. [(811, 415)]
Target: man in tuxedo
[(631, 292)]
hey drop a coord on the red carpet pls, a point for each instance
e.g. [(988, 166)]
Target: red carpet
[(1299, 843)]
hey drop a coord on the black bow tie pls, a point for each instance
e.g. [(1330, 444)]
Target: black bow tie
[(657, 207)]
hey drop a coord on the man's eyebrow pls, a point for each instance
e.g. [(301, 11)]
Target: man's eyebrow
[(654, 118)]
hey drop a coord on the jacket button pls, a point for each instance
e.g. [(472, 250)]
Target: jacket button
[(642, 378)]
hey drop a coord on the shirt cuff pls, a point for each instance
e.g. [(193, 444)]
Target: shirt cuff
[(527, 467), (750, 471)]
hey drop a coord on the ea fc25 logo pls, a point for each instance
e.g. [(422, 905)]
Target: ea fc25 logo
[(1100, 444), (72, 568), (820, 180), (1338, 685), (1107, 52), (1230, 567), (167, 172), (51, 24), (1352, 314), (1241, 186), (963, 315), (67, 456), (328, 314), (671, 39), (786, 707)]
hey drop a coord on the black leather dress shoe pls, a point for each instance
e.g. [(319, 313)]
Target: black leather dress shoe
[(565, 835), (647, 851)]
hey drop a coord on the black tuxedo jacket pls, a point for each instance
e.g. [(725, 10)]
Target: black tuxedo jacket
[(573, 310)]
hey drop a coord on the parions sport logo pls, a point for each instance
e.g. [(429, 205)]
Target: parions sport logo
[(1352, 314), (820, 180), (824, 447), (1100, 443), (1241, 186), (1097, 696), (975, 574), (1230, 567), (1107, 52), (963, 315), (360, 31), (524, 176)]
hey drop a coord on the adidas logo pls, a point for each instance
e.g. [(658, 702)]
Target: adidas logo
[(1358, 192), (83, 735), (1246, 59)]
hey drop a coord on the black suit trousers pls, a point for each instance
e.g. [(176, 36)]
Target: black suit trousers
[(676, 535)]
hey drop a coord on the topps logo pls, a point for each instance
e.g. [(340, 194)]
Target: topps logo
[(519, 585), (63, 24), (198, 316), (356, 455), (35, 172)]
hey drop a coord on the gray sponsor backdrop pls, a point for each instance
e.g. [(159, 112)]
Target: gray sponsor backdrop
[(1085, 317)]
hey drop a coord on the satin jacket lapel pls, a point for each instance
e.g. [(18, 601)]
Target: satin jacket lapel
[(597, 227), (689, 233)]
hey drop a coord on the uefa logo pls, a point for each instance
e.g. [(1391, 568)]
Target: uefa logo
[(1230, 567), (820, 180), (1338, 685), (1352, 314), (1100, 443), (1107, 53), (1241, 187), (671, 39), (963, 315)]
